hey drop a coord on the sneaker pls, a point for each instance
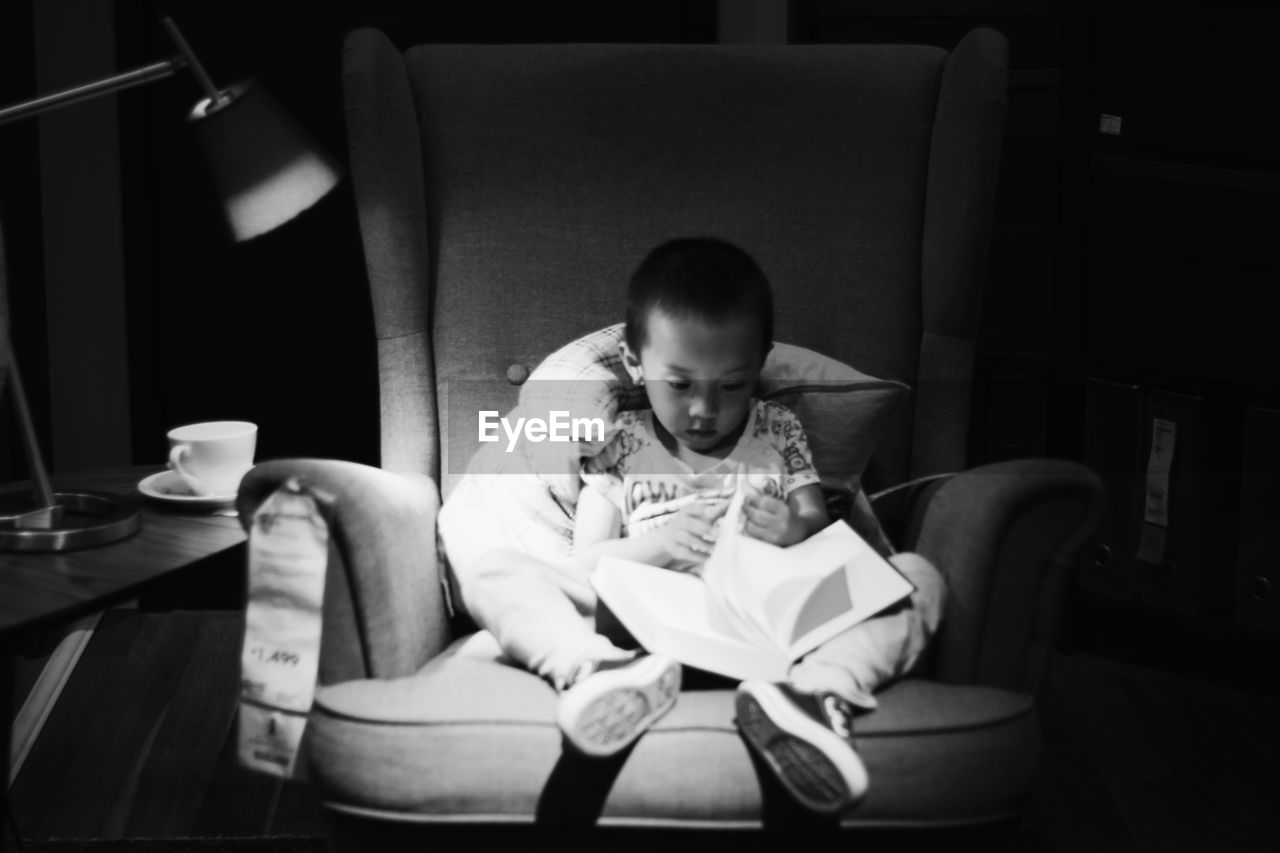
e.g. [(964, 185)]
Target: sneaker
[(806, 739), (610, 703)]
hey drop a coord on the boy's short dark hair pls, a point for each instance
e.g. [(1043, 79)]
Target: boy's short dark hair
[(702, 277)]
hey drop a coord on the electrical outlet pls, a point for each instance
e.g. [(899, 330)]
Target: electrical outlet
[(1109, 124)]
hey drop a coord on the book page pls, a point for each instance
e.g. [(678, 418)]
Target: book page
[(715, 570), (673, 613), (766, 585), (722, 573), (658, 595), (835, 547), (756, 607), (862, 585)]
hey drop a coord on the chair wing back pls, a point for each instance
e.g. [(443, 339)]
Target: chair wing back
[(506, 193)]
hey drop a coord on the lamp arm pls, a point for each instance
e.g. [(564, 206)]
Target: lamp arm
[(189, 56), (92, 89), (35, 463)]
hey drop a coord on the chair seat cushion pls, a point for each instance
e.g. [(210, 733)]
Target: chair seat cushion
[(471, 738)]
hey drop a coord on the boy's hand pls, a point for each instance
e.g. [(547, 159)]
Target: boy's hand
[(687, 539), (772, 520)]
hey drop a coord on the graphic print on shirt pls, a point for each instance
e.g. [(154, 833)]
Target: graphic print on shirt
[(648, 484)]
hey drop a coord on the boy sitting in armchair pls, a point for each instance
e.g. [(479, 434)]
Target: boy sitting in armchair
[(699, 324)]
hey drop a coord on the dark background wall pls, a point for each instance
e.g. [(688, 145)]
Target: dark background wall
[(276, 330), (301, 355), (1128, 276)]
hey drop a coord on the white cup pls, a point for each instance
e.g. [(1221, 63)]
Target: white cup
[(212, 457)]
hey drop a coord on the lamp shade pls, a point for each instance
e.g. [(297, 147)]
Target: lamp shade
[(265, 167)]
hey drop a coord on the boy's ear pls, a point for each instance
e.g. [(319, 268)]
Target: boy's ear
[(631, 361)]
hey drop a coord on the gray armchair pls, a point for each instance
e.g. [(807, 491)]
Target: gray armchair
[(504, 194)]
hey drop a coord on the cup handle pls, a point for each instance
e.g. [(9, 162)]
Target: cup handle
[(176, 453)]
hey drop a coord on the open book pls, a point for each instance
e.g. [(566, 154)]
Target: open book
[(754, 608)]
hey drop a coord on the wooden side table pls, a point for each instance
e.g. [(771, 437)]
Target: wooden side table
[(42, 591)]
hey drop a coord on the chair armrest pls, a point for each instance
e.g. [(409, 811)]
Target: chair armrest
[(384, 608), (898, 508), (1006, 537)]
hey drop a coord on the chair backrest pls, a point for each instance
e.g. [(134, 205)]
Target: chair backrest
[(506, 193)]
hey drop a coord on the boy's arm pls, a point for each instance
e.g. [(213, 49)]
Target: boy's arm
[(784, 523), (804, 511), (596, 521), (809, 506), (679, 544)]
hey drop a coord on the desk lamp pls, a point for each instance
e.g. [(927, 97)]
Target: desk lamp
[(266, 170)]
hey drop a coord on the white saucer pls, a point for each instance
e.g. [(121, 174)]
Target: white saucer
[(168, 487)]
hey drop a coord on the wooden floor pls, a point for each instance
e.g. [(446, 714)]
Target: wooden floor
[(140, 745), (141, 741)]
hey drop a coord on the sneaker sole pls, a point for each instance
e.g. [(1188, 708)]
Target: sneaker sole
[(813, 763), (609, 710)]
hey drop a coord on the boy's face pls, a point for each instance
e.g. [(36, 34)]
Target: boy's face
[(699, 376)]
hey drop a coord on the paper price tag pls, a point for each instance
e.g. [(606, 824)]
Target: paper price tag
[(288, 556), (1151, 545), (1163, 435), (269, 739)]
